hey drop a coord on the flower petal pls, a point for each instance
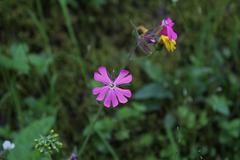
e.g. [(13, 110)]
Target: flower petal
[(168, 31), (121, 93), (111, 97), (102, 91), (96, 90), (164, 32), (174, 35), (103, 77), (169, 22), (171, 34), (121, 79), (125, 92), (12, 146), (6, 145)]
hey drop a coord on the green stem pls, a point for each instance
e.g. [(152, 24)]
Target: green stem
[(17, 101), (42, 30), (173, 143), (73, 38), (129, 56), (90, 132), (40, 11), (68, 23), (109, 147)]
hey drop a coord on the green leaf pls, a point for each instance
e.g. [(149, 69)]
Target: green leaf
[(36, 60), (153, 71), (219, 104), (20, 65), (153, 90), (105, 124), (30, 101), (135, 30), (232, 127), (95, 83), (122, 134), (125, 113), (19, 57), (5, 62), (139, 107), (18, 60), (186, 116), (146, 140), (18, 51), (24, 139), (226, 52), (203, 118), (151, 157), (41, 62), (169, 120), (167, 152), (197, 72), (224, 138), (96, 4)]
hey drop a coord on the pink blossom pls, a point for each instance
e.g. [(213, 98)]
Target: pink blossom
[(74, 157), (113, 92), (167, 29)]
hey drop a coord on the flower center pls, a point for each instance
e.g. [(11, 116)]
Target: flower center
[(112, 85), (164, 23)]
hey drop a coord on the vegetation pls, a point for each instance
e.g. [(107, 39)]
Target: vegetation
[(185, 104)]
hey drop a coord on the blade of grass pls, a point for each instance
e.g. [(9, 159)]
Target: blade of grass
[(17, 101), (219, 15), (234, 43), (52, 93), (69, 25), (41, 30), (40, 11), (4, 98), (173, 143), (9, 84), (109, 147), (73, 37)]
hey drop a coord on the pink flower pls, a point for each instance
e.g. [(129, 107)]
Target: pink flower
[(111, 87), (74, 157), (167, 30)]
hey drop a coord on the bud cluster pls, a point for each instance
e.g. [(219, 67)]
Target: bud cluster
[(48, 144), (161, 35)]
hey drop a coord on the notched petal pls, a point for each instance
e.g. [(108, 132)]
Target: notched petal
[(103, 77), (122, 94), (121, 79)]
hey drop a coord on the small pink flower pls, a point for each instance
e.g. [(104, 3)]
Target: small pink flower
[(74, 157), (167, 30), (111, 89)]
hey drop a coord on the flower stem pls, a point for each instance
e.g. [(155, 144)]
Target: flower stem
[(90, 132), (109, 147), (129, 56)]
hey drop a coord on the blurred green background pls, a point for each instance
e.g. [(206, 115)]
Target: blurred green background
[(185, 104)]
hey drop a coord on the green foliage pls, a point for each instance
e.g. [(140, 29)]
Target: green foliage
[(219, 104), (20, 60), (185, 104), (41, 62), (153, 90), (24, 140)]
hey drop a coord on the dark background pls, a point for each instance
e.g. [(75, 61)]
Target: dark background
[(185, 104)]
